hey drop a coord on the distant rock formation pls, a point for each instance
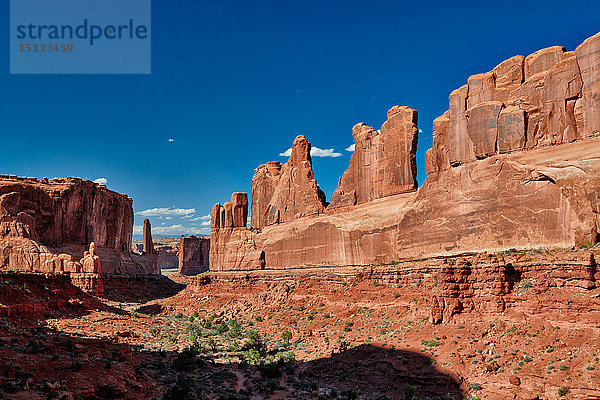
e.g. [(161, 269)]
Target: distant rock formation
[(147, 237), (515, 163), (281, 193), (383, 164), (45, 225), (193, 254)]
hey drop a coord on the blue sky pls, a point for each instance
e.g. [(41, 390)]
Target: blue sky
[(234, 82)]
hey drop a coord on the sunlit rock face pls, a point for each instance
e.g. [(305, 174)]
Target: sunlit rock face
[(46, 225)]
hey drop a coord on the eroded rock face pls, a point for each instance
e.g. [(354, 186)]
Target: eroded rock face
[(193, 254), (281, 193), (46, 225), (515, 163), (232, 247), (147, 236), (91, 262), (549, 97), (383, 164)]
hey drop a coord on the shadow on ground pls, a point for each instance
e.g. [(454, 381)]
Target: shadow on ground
[(139, 288)]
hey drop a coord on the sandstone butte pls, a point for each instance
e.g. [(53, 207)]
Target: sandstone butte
[(515, 163), (48, 225), (193, 255)]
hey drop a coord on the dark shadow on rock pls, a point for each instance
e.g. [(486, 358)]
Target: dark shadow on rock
[(512, 276)]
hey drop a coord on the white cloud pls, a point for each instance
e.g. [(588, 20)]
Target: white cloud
[(205, 223), (101, 181), (420, 130), (171, 140), (315, 152), (202, 218), (173, 230), (164, 212), (351, 148)]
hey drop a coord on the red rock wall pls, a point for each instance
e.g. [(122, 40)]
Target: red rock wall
[(193, 255), (281, 193), (70, 211), (47, 226), (549, 97), (383, 164), (515, 163)]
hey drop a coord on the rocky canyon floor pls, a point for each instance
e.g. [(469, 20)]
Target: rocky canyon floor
[(345, 333)]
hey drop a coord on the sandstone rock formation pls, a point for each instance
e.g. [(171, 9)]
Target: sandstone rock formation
[(147, 235), (281, 193), (46, 225), (515, 163), (90, 261), (194, 252), (383, 164), (547, 98), (231, 247)]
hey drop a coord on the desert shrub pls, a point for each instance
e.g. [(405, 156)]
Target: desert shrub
[(254, 342), (235, 328), (286, 336)]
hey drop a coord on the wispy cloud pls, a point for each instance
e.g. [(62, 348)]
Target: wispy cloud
[(171, 140), (165, 212), (315, 152), (351, 148), (173, 230), (201, 218), (205, 223), (101, 181)]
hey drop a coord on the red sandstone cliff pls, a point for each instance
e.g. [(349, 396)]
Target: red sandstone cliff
[(515, 163), (547, 98), (281, 193), (193, 254), (47, 225), (383, 164)]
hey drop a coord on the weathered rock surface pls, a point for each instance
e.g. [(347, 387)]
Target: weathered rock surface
[(281, 193), (383, 164), (193, 253), (515, 163), (46, 225), (147, 237), (549, 97), (232, 247)]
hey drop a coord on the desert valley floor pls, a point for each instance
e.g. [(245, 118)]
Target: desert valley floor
[(343, 333)]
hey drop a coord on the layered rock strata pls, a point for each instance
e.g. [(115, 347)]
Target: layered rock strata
[(515, 163), (46, 225)]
